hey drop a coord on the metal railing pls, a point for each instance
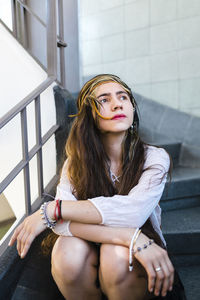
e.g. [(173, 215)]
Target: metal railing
[(21, 108), (19, 14)]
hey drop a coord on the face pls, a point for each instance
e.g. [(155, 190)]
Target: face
[(116, 105)]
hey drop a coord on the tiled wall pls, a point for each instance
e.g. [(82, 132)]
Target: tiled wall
[(154, 45)]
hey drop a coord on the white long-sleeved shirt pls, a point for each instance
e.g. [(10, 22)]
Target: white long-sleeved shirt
[(130, 210)]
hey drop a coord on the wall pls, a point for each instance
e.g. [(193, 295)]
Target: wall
[(154, 45)]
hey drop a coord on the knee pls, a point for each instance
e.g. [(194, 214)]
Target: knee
[(68, 259), (114, 265)]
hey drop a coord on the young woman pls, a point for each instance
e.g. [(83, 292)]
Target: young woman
[(111, 242)]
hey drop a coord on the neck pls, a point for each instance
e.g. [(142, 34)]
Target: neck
[(113, 147)]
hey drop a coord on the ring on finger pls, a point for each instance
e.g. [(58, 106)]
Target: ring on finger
[(158, 269)]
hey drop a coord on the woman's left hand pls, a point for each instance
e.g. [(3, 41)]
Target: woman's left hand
[(26, 232), (157, 264)]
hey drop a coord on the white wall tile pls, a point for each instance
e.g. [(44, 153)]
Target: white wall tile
[(91, 52), (138, 70), (164, 38), (189, 63), (164, 67), (105, 4), (116, 68), (142, 89), (189, 32), (92, 70), (189, 93), (87, 7), (113, 48), (111, 21), (137, 43), (166, 93), (162, 11), (129, 1), (188, 8), (89, 27), (137, 15)]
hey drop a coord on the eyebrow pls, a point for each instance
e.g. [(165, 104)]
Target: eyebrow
[(108, 94)]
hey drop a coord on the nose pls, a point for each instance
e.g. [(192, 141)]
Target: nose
[(116, 104)]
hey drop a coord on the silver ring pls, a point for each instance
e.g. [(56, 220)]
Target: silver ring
[(158, 269)]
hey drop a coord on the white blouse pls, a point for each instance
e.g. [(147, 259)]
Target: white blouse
[(130, 210)]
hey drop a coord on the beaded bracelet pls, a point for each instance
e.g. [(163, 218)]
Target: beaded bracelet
[(144, 247), (47, 221), (133, 241)]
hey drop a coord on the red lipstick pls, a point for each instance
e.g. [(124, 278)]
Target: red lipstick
[(118, 117)]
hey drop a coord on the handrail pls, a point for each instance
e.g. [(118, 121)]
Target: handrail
[(21, 108), (26, 101)]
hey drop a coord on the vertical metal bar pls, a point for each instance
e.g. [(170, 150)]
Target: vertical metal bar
[(39, 143), (51, 38), (26, 158), (23, 26), (14, 18), (62, 50)]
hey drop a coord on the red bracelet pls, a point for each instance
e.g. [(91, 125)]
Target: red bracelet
[(57, 210)]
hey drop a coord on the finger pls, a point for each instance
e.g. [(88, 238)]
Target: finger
[(151, 277), (165, 286), (171, 270), (15, 234), (23, 241), (27, 244), (159, 280), (19, 241)]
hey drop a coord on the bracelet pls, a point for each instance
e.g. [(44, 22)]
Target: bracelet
[(150, 242), (47, 221), (57, 210), (133, 240)]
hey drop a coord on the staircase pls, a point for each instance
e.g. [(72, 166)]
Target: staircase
[(30, 278)]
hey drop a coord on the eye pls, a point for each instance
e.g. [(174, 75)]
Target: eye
[(123, 97), (104, 100)]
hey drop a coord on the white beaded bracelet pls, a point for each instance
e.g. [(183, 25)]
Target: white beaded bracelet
[(133, 240)]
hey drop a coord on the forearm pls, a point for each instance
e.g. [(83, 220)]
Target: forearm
[(102, 234), (78, 211)]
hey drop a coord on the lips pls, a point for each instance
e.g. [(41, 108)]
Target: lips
[(118, 117)]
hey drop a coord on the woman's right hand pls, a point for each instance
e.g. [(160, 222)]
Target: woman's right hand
[(154, 257), (26, 232)]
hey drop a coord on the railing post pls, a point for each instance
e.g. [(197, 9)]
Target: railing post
[(51, 39), (61, 36), (14, 18), (26, 158), (39, 144)]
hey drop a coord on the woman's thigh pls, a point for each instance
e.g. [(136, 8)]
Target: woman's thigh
[(114, 271), (71, 256)]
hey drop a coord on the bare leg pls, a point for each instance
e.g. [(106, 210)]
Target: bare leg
[(74, 268), (116, 280)]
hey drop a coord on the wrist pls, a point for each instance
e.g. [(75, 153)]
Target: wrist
[(50, 209)]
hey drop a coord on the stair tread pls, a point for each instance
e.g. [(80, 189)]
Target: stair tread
[(185, 173), (181, 221), (190, 277)]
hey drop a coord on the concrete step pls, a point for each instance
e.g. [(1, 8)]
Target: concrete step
[(172, 146), (185, 184), (181, 229), (173, 149), (188, 267)]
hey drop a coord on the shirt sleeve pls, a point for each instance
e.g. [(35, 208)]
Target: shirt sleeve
[(134, 209), (64, 192)]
